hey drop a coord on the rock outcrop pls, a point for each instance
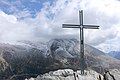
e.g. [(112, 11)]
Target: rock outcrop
[(68, 74), (3, 65)]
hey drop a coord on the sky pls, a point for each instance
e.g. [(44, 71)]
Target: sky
[(41, 20)]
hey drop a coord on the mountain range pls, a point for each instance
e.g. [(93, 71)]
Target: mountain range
[(115, 54), (29, 59)]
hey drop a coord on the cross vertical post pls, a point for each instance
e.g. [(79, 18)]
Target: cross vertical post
[(82, 65), (81, 26)]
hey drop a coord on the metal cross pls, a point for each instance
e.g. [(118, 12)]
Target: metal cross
[(81, 26)]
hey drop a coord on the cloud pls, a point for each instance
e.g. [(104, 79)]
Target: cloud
[(48, 22), (103, 13), (12, 30)]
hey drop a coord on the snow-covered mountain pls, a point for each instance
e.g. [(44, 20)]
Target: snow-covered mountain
[(115, 54), (33, 58)]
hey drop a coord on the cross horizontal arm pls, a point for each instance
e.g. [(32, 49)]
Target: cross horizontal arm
[(91, 27), (67, 25), (71, 27)]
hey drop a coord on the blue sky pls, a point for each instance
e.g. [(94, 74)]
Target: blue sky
[(41, 20), (33, 6)]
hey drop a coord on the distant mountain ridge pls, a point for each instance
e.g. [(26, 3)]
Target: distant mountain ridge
[(115, 54), (38, 58)]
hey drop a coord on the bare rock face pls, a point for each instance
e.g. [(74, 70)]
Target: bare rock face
[(69, 74), (115, 73), (3, 65)]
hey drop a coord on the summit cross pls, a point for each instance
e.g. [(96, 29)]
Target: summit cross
[(81, 26)]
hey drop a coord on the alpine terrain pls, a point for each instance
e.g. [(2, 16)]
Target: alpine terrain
[(31, 59)]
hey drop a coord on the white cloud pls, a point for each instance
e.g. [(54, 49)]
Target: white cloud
[(48, 22), (12, 30)]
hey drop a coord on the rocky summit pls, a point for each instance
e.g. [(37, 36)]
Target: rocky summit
[(30, 59), (68, 74)]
